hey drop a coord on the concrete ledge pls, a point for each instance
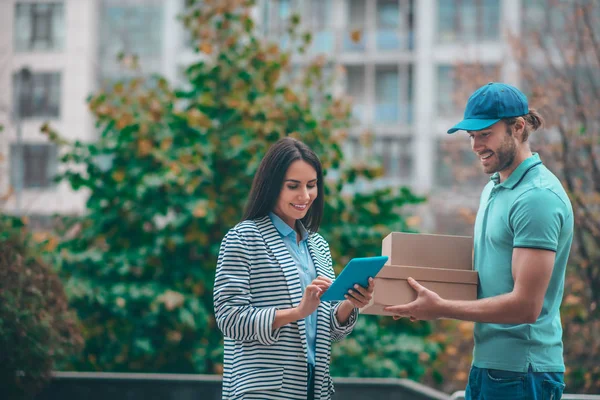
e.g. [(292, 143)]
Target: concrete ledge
[(132, 386)]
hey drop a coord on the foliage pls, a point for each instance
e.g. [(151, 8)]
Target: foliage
[(37, 330), (169, 176)]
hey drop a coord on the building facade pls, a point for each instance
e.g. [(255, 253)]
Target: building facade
[(399, 60)]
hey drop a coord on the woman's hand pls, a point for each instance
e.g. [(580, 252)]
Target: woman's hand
[(360, 296), (356, 298), (312, 296)]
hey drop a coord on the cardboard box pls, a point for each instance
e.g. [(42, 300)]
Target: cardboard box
[(439, 262), (431, 251)]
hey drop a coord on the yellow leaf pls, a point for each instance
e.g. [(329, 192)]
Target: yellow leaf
[(171, 299), (185, 159), (290, 96), (571, 300), (198, 118), (230, 41), (233, 103), (118, 88), (218, 369), (466, 328), (451, 350), (144, 147), (103, 110), (175, 168), (124, 121), (174, 336), (118, 175), (51, 244), (166, 144), (39, 236), (206, 47), (200, 210), (155, 110), (198, 289), (461, 376), (413, 221), (235, 141), (372, 207)]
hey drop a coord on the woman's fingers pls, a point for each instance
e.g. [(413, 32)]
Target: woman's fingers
[(361, 290), (314, 290), (357, 299)]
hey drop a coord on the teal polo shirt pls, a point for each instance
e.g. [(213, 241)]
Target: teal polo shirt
[(530, 209)]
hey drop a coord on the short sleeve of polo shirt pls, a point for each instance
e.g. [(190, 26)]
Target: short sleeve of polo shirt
[(537, 218)]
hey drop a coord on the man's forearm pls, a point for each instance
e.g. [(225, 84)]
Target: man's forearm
[(503, 309)]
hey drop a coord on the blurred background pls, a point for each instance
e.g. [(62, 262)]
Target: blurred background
[(131, 130)]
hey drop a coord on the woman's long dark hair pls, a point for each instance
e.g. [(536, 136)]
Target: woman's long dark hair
[(268, 181)]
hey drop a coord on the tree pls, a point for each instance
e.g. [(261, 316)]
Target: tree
[(140, 266)]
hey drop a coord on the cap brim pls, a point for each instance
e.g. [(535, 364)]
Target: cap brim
[(473, 125)]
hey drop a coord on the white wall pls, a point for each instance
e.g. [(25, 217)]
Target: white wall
[(77, 65)]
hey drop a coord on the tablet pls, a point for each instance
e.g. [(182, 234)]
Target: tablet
[(358, 270)]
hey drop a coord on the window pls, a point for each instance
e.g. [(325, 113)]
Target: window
[(320, 25), (37, 96), (276, 15), (354, 39), (456, 83), (393, 94), (33, 165), (468, 20), (355, 88), (39, 27), (275, 19), (445, 84), (394, 152), (386, 94), (388, 24), (133, 28)]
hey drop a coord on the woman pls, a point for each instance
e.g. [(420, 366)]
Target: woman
[(272, 269)]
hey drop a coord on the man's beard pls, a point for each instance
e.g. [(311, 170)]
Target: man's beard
[(505, 154)]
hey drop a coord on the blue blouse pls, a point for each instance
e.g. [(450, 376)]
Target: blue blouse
[(306, 270)]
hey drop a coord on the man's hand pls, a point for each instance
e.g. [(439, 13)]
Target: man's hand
[(427, 306)]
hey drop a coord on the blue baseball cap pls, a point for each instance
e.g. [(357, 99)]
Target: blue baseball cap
[(491, 103)]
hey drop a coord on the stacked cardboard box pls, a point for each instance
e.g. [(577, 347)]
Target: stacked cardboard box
[(441, 263)]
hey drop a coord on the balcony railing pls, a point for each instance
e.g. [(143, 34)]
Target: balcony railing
[(351, 41)]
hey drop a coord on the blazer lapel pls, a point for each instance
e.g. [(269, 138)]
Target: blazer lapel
[(288, 266), (320, 261)]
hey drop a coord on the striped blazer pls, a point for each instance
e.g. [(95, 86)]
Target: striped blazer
[(255, 276)]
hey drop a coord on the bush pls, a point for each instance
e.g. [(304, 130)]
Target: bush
[(37, 330)]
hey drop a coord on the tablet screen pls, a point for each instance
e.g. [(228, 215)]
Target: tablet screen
[(358, 270)]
